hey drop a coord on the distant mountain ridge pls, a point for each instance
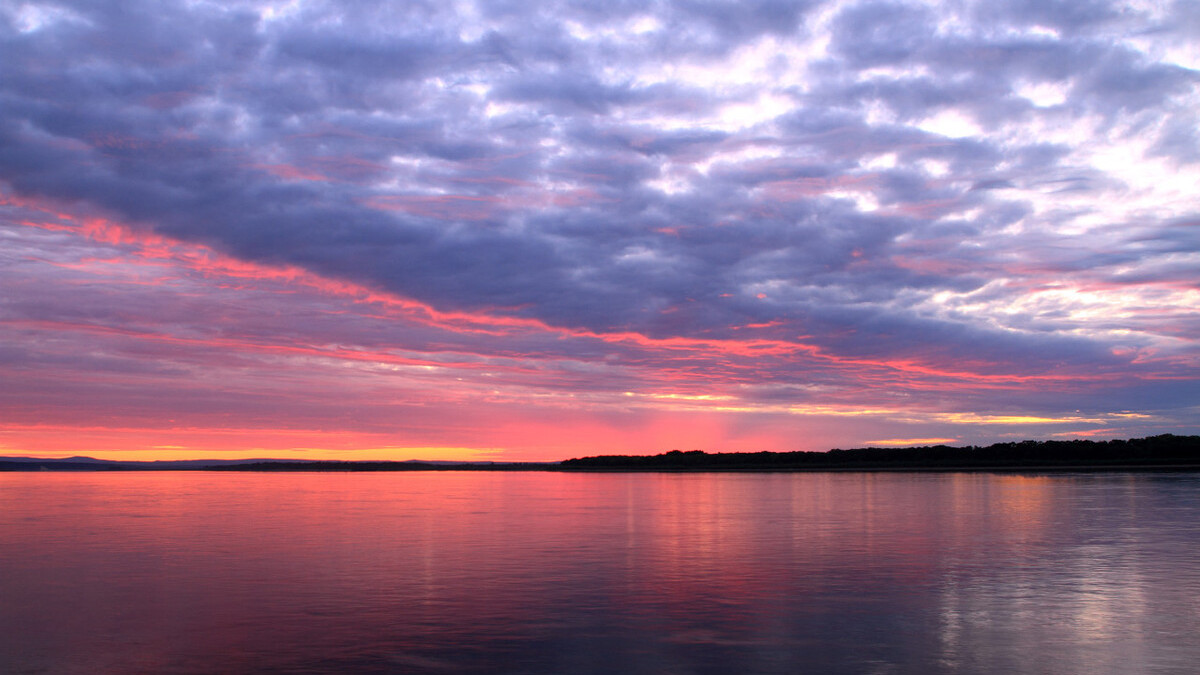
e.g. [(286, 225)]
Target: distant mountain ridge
[(158, 462)]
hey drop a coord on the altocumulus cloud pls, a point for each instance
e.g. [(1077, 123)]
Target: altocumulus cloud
[(928, 210)]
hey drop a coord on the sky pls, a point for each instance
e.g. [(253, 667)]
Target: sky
[(532, 231)]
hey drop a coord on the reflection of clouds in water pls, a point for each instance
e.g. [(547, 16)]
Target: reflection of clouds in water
[(1085, 593), (543, 572)]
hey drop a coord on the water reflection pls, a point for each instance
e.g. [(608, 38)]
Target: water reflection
[(693, 573)]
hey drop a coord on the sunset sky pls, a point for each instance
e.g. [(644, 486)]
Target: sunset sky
[(532, 231)]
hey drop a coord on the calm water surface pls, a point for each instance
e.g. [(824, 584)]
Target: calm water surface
[(631, 573)]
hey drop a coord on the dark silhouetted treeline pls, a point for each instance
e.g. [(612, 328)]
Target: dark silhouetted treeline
[(1153, 452)]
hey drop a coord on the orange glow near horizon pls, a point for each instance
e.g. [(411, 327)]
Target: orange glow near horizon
[(139, 444), (528, 442)]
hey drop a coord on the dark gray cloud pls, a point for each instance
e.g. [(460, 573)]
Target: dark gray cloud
[(1065, 15), (869, 34)]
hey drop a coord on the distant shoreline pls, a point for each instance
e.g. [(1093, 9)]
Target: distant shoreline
[(1161, 453), (906, 468), (333, 467)]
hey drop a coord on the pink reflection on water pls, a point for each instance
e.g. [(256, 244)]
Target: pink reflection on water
[(545, 572)]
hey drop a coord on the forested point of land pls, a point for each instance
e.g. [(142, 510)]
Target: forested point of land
[(1164, 451)]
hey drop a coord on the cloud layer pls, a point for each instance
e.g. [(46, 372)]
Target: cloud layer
[(739, 225)]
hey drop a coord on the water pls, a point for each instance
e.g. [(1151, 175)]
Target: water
[(617, 573)]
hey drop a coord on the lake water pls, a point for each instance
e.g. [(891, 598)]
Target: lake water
[(189, 572)]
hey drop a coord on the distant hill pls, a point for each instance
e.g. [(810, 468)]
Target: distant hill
[(64, 464), (93, 464), (87, 460)]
